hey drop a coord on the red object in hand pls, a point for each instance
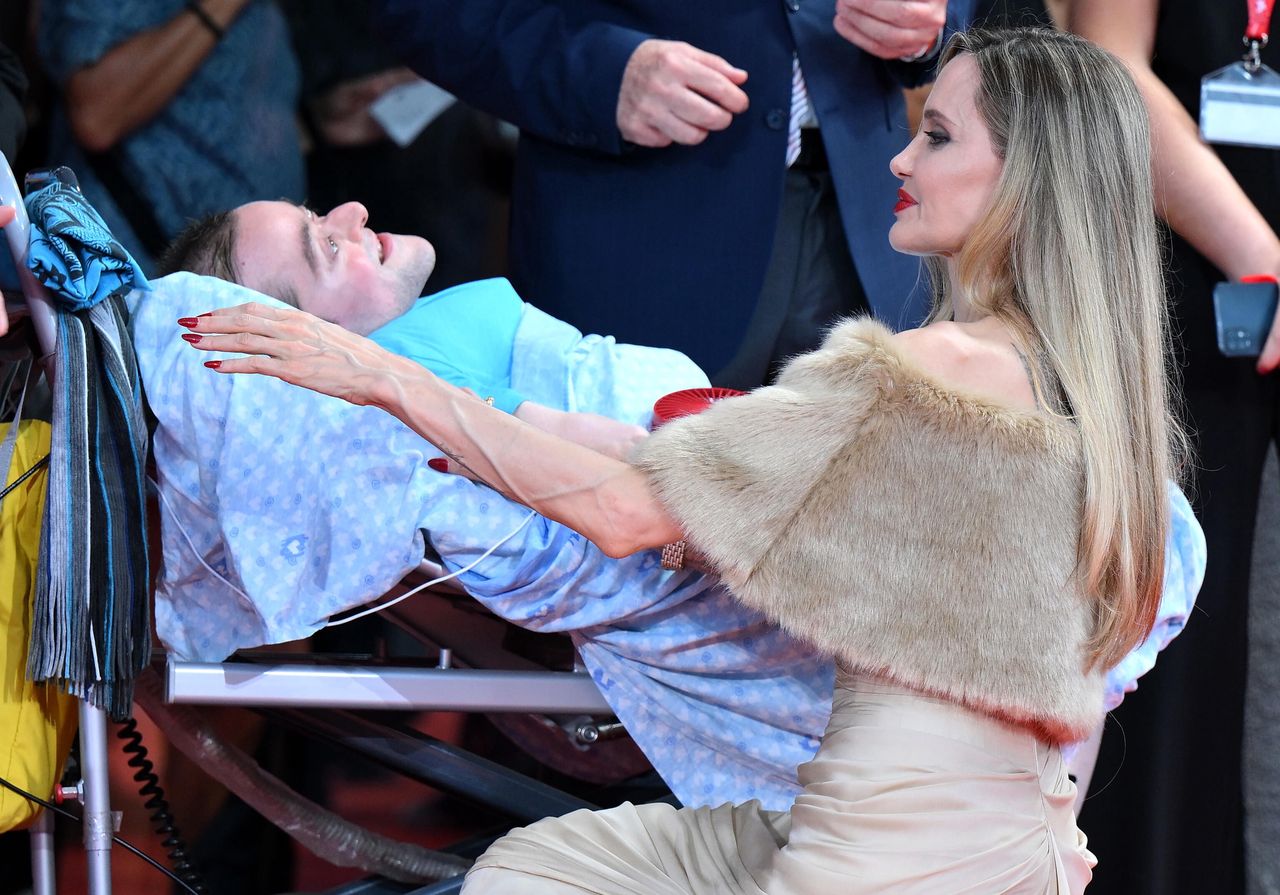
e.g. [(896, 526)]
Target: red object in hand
[(1259, 278), (687, 402)]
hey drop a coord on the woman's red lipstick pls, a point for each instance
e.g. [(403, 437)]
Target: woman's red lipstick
[(904, 201)]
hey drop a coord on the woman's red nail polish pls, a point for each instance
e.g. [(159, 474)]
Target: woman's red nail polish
[(206, 314), (213, 364), (439, 464), (191, 337), (188, 322)]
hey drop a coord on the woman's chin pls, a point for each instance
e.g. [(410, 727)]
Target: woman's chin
[(904, 244)]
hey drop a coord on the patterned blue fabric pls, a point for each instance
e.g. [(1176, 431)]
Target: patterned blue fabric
[(310, 506), (555, 364), (73, 253), (1184, 563), (227, 137)]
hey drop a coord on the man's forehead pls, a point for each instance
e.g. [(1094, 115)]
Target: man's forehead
[(269, 241), (271, 216)]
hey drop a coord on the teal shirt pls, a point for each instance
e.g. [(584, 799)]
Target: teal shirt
[(465, 335)]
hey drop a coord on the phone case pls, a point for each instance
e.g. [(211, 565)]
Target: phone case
[(1244, 313)]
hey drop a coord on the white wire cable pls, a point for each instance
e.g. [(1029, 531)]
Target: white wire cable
[(164, 502), (443, 578)]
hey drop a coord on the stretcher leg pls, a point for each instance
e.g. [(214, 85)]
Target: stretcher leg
[(98, 821)]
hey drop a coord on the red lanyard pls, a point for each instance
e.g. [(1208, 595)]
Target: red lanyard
[(1259, 20), (1256, 32)]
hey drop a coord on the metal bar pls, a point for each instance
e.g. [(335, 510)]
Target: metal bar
[(370, 886), (43, 876), (98, 823), (445, 887), (367, 687), (424, 758)]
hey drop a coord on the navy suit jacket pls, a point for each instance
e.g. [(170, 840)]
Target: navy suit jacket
[(668, 246)]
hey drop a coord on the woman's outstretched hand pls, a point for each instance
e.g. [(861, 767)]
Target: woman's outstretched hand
[(297, 347)]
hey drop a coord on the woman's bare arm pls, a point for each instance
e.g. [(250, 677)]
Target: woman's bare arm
[(604, 499), (600, 433)]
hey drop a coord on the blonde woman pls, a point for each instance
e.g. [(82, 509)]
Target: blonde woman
[(970, 516)]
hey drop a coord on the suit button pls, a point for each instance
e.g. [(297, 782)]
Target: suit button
[(793, 5), (775, 119)]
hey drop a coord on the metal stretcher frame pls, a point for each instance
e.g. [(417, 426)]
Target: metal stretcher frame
[(327, 700), (299, 684), (399, 688), (98, 822)]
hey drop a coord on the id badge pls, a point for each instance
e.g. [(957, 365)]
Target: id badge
[(1241, 107)]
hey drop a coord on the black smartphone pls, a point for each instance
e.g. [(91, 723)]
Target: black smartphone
[(1244, 313)]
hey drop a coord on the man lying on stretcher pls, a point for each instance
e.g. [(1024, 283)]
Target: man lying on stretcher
[(296, 506), (336, 268)]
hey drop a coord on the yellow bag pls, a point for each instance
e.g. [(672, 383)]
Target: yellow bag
[(37, 722)]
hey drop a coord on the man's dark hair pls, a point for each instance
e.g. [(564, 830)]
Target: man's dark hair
[(205, 247)]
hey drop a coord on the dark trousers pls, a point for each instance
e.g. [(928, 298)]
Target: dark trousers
[(1166, 814), (810, 282)]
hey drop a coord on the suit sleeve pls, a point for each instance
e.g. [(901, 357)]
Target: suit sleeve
[(524, 61)]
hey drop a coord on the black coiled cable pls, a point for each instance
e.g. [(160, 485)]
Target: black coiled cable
[(161, 819)]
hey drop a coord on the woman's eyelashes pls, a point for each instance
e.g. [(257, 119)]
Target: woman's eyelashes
[(333, 246), (937, 137)]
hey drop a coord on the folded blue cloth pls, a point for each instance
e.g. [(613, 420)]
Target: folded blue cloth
[(73, 254)]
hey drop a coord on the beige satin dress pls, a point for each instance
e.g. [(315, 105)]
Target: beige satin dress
[(908, 795)]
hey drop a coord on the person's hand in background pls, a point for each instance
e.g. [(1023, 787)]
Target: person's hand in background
[(675, 93), (891, 29)]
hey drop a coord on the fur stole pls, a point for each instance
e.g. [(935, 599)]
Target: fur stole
[(910, 530)]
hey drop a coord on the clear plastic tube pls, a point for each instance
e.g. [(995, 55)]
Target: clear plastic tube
[(324, 833)]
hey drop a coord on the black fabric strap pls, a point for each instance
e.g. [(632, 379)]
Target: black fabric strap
[(194, 7)]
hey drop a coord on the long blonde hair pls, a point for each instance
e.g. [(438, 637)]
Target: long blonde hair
[(1068, 255)]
